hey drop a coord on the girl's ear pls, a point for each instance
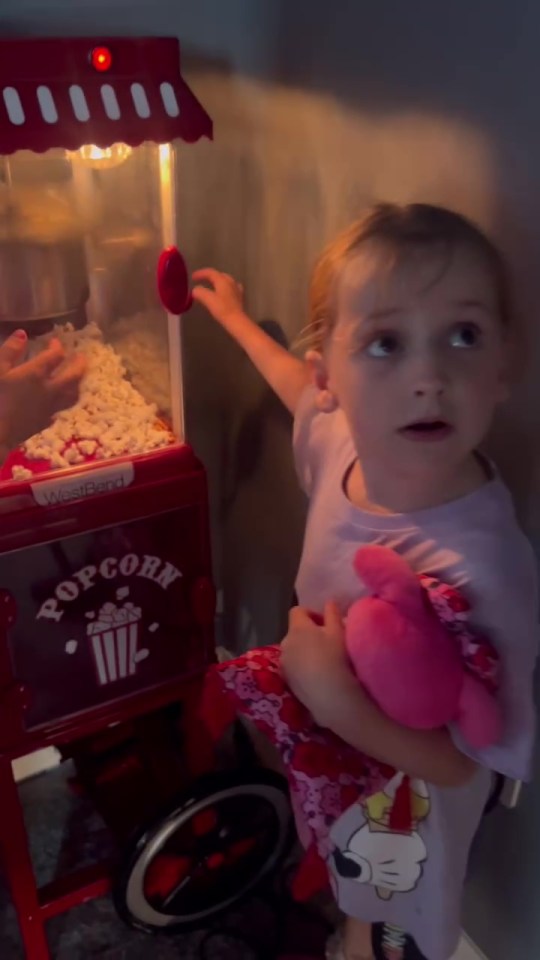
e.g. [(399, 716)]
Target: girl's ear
[(326, 399)]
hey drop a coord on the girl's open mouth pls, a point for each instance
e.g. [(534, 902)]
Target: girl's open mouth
[(425, 431)]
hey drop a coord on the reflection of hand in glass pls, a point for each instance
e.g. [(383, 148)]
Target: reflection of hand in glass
[(32, 391)]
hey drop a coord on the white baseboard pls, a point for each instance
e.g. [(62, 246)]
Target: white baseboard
[(467, 950), (34, 763)]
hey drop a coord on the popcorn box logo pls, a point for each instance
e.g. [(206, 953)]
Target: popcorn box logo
[(131, 566), (114, 639), (110, 632)]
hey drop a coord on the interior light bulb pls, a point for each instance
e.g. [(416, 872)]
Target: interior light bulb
[(102, 158)]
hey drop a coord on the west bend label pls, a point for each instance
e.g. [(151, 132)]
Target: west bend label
[(59, 490)]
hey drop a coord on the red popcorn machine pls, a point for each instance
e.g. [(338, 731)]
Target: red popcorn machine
[(106, 596)]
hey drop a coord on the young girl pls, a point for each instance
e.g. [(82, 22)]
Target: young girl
[(409, 327)]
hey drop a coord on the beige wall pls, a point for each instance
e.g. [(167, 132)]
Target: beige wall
[(287, 169)]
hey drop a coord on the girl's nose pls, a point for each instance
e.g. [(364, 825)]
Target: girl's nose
[(428, 378), (432, 387)]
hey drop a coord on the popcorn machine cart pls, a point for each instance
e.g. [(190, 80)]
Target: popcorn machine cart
[(106, 597)]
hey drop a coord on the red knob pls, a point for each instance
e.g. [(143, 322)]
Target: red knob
[(173, 282)]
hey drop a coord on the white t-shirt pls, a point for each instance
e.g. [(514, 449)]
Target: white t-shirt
[(475, 544)]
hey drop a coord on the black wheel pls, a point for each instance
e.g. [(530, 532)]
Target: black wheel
[(211, 849)]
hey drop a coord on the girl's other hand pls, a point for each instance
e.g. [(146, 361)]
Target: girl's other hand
[(317, 669), (223, 297), (32, 391)]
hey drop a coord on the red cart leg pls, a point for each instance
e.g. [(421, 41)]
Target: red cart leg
[(198, 746), (17, 863)]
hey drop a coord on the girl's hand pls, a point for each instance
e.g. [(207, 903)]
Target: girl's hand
[(317, 670), (223, 297), (315, 662), (32, 391)]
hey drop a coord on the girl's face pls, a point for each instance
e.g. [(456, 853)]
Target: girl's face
[(415, 359)]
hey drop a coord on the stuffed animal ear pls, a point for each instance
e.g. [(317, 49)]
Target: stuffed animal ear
[(389, 577), (480, 717)]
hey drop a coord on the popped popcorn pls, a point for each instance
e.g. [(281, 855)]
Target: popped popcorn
[(141, 340), (111, 418), (87, 447), (21, 473)]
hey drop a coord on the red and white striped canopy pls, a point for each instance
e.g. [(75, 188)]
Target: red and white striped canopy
[(70, 92)]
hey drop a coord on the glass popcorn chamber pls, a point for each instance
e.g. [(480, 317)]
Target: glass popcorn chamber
[(89, 149)]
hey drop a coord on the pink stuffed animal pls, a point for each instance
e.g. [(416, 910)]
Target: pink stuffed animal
[(409, 663)]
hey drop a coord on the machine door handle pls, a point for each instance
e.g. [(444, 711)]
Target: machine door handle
[(173, 282)]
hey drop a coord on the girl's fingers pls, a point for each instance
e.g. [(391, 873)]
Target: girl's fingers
[(205, 297), (206, 275), (69, 375), (12, 351), (214, 277), (299, 617), (46, 362), (332, 620)]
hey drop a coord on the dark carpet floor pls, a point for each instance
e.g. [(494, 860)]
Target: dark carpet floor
[(64, 833)]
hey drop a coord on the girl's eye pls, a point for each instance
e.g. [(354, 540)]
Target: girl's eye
[(465, 336), (385, 346)]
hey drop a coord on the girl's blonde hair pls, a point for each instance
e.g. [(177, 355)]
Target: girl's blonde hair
[(397, 230)]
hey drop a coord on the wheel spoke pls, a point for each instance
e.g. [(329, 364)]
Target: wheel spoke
[(164, 872), (171, 897)]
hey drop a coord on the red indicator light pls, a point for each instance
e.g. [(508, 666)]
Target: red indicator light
[(101, 59)]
